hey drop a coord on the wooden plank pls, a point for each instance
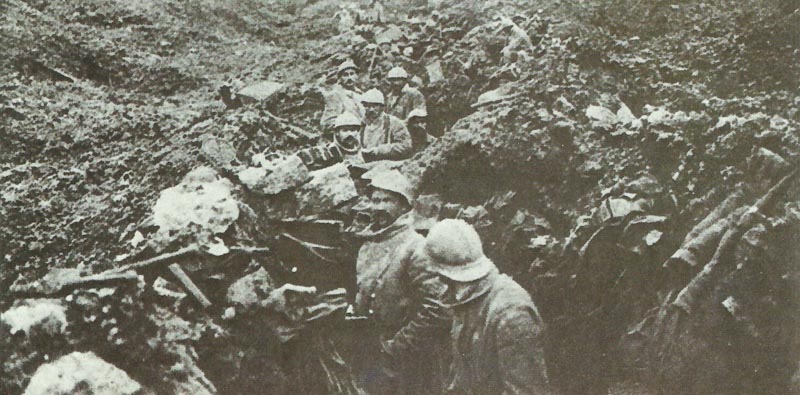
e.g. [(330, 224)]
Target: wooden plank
[(189, 285)]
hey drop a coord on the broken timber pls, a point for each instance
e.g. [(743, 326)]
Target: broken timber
[(189, 285)]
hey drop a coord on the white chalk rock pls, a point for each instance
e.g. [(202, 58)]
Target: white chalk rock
[(275, 175), (202, 198), (48, 314), (81, 372), (250, 289), (601, 117), (327, 189), (260, 91)]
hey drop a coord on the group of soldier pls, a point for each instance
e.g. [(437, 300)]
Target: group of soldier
[(369, 126), (412, 290), (434, 315)]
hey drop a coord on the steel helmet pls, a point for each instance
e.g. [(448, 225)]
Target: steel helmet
[(347, 64), (455, 251), (373, 96), (346, 119), (392, 181), (418, 112), (397, 72)]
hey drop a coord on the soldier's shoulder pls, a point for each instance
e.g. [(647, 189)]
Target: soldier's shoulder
[(395, 121), (414, 245), (508, 297), (412, 238)]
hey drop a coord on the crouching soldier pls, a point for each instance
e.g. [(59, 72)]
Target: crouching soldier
[(497, 331), (398, 294), (346, 145)]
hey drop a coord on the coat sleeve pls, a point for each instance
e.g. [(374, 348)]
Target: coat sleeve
[(334, 106), (399, 146), (431, 319), (521, 363)]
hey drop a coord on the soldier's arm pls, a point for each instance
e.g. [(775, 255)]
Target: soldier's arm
[(520, 356), (431, 319), (333, 107)]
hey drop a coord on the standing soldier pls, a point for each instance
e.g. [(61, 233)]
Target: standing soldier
[(343, 97), (418, 128), (398, 293), (402, 98), (497, 331), (385, 136)]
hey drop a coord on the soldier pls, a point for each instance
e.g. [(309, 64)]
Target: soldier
[(346, 145), (518, 45), (376, 13), (386, 46), (418, 129), (386, 55), (398, 294), (385, 136), (343, 97), (346, 19), (402, 98), (497, 331)]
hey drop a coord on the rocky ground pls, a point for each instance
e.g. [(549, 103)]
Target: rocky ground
[(633, 169)]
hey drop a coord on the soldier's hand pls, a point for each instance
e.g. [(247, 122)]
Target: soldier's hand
[(285, 298)]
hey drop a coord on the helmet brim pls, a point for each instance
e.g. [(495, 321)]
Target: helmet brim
[(469, 272)]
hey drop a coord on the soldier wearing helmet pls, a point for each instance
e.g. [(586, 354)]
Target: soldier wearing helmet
[(385, 136), (402, 98), (497, 333), (342, 97), (346, 146), (398, 296), (418, 129), (385, 45)]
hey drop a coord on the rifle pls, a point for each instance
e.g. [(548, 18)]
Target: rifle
[(700, 283), (58, 283)]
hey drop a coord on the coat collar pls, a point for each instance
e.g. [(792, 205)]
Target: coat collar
[(461, 294), (401, 224)]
